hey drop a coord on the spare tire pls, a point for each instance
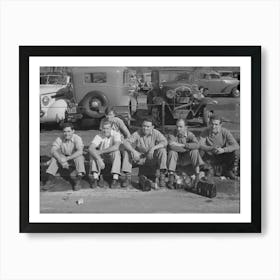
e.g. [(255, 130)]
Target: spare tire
[(94, 104)]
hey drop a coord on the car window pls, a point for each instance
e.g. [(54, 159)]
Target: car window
[(95, 77), (53, 80), (214, 76)]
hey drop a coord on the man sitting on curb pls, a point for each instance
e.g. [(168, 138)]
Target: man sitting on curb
[(218, 147), (183, 146), (104, 149), (65, 149), (150, 149), (117, 123)]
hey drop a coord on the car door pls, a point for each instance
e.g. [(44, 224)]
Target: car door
[(216, 84)]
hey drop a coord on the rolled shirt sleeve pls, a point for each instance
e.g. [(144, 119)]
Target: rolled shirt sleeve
[(122, 127), (134, 137), (97, 141), (160, 138), (192, 142), (56, 145), (231, 143), (79, 145)]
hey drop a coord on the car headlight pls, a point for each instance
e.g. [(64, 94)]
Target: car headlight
[(170, 93), (45, 100)]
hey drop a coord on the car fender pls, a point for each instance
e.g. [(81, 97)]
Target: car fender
[(56, 112)]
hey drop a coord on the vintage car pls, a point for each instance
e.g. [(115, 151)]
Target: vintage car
[(55, 97), (213, 83), (96, 88), (182, 97)]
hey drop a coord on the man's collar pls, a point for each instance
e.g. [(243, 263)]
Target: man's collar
[(185, 134), (72, 139), (142, 133)]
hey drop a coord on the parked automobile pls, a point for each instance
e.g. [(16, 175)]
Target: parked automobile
[(56, 97), (213, 83), (182, 98), (96, 88)]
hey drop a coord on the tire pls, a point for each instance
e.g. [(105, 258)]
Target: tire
[(205, 92), (86, 104), (235, 92)]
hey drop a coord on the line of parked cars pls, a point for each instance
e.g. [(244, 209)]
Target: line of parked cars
[(86, 92)]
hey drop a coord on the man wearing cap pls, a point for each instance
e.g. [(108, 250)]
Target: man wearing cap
[(219, 147), (183, 149), (66, 148), (104, 149), (146, 146)]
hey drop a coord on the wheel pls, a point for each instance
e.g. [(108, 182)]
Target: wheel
[(235, 92), (205, 92), (205, 117), (92, 103)]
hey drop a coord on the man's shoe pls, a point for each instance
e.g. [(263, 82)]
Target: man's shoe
[(231, 175), (94, 183), (77, 183), (115, 184), (171, 181), (50, 183), (126, 183)]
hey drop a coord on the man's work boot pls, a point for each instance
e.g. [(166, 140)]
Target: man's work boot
[(115, 184), (162, 183), (230, 174), (77, 183), (171, 181), (126, 183), (93, 183), (50, 183)]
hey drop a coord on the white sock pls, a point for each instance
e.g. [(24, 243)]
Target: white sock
[(115, 176), (95, 175)]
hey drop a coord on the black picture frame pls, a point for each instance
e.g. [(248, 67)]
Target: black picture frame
[(25, 52)]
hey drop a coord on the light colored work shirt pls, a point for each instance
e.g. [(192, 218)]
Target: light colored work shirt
[(102, 142), (145, 142), (68, 147), (223, 139)]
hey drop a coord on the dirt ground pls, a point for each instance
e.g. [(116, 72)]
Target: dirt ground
[(62, 199)]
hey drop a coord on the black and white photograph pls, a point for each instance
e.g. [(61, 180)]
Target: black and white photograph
[(140, 139)]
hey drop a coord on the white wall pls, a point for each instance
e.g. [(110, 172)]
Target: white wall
[(101, 256)]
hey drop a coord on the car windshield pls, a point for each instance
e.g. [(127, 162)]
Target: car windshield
[(52, 80), (169, 76)]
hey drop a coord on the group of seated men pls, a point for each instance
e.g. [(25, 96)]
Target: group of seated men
[(116, 146)]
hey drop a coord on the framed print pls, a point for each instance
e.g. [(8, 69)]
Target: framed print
[(140, 138)]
